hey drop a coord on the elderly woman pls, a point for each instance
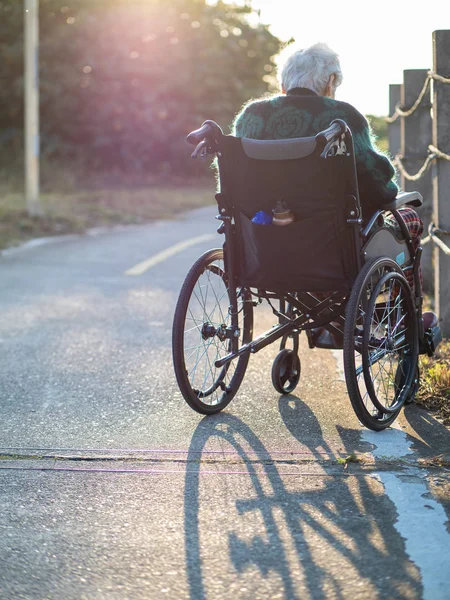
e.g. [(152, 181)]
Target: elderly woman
[(307, 105), (309, 79)]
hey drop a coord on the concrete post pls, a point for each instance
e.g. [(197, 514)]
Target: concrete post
[(31, 91), (394, 128), (441, 184), (416, 136)]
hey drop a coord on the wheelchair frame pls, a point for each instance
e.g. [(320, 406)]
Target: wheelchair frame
[(303, 311)]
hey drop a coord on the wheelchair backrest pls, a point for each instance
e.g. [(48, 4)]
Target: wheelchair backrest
[(318, 251)]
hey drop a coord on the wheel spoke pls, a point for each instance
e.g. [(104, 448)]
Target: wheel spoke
[(201, 319), (378, 374)]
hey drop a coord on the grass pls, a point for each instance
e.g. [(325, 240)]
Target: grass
[(351, 458), (434, 391), (71, 207)]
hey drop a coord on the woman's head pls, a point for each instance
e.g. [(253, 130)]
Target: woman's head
[(316, 68)]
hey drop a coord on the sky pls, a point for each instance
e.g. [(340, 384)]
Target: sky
[(375, 40)]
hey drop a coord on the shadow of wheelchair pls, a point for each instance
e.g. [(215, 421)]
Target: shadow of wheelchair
[(337, 510)]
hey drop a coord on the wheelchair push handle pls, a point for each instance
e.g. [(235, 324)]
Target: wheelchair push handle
[(336, 129), (209, 131), (205, 139)]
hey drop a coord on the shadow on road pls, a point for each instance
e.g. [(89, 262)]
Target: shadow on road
[(338, 525), (431, 438)]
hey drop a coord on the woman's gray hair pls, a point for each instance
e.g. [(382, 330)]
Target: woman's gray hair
[(310, 68)]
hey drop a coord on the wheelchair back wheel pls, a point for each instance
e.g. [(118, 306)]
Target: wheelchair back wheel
[(380, 343), (202, 334)]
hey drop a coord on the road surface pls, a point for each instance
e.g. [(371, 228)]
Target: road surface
[(111, 487)]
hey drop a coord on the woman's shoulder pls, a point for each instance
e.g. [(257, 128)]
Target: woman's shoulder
[(263, 103), (251, 119), (353, 115)]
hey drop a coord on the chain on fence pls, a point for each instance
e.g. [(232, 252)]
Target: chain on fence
[(433, 237), (401, 112), (434, 153)]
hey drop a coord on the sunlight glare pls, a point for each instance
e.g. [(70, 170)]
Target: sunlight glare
[(375, 43)]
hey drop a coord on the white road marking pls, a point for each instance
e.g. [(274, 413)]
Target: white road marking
[(147, 264)]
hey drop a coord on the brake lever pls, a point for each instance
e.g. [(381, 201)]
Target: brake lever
[(200, 150), (335, 148)]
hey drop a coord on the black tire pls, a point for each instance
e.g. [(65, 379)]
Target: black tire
[(198, 335), (356, 323), (286, 371)]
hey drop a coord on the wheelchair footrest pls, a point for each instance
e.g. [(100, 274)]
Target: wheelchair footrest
[(431, 340), (322, 338)]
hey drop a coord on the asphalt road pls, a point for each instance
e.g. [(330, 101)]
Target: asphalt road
[(112, 487)]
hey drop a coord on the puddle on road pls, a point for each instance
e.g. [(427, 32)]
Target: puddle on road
[(421, 523), (421, 520)]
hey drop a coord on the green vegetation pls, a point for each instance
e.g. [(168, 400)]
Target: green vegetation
[(72, 211), (380, 130), (121, 83), (351, 458), (434, 391)]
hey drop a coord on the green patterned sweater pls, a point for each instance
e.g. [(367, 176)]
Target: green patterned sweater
[(302, 113)]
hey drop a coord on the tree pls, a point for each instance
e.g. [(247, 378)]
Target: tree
[(380, 129), (122, 82)]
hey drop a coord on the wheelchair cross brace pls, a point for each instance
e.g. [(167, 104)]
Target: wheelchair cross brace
[(307, 319)]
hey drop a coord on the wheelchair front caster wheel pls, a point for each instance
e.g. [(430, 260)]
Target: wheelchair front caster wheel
[(286, 371)]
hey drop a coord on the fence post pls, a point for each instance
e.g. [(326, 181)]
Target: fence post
[(416, 136), (441, 184), (394, 128)]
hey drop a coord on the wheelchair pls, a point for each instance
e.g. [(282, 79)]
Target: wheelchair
[(328, 270)]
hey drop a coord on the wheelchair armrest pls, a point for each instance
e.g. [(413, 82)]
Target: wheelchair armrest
[(409, 198)]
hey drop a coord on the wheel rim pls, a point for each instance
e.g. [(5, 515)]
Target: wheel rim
[(389, 343), (206, 339)]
